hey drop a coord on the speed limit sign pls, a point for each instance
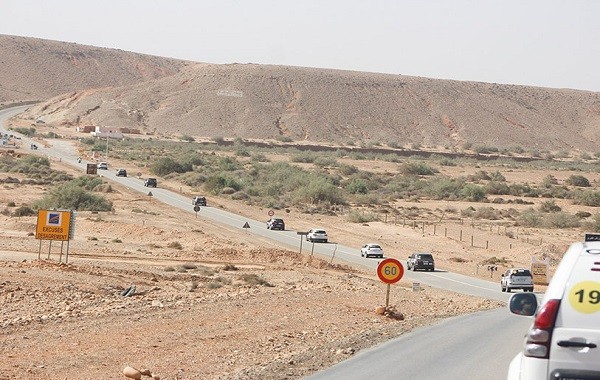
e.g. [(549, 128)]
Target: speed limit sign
[(390, 271), (271, 213)]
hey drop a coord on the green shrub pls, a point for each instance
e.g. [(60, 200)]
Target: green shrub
[(24, 211), (175, 245), (417, 168), (167, 165), (561, 220), (356, 186), (355, 216), (549, 206), (587, 198), (578, 180), (252, 279), (72, 196)]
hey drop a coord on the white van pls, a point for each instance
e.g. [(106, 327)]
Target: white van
[(564, 339)]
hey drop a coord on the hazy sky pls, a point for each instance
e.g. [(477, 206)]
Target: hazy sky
[(546, 43)]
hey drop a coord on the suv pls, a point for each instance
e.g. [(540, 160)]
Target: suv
[(150, 182), (420, 261), (517, 278), (276, 224), (121, 173), (102, 166), (562, 342), (371, 249), (317, 235), (199, 201)]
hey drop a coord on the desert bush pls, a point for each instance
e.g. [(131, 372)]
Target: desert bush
[(285, 139), (578, 180), (417, 168), (549, 206), (188, 265), (11, 204), (594, 224), (24, 211), (219, 140), (325, 162), (175, 245), (187, 138), (561, 220), (216, 184), (167, 165), (496, 188), (458, 259), (472, 193), (117, 240), (213, 285), (488, 213), (530, 218), (259, 157), (549, 181), (230, 267), (304, 157), (346, 169), (169, 269), (583, 214), (356, 216), (252, 279), (356, 186), (483, 149), (25, 131), (72, 196), (496, 261), (587, 198)]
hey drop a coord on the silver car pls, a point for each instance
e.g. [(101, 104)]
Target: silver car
[(371, 250), (318, 235)]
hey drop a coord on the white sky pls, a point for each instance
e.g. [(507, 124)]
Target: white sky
[(547, 43)]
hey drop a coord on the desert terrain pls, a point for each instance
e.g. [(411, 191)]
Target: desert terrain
[(214, 303), (150, 287)]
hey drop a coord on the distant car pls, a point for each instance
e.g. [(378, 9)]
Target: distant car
[(150, 182), (276, 224), (318, 235), (420, 260), (199, 201), (102, 165), (516, 278), (371, 250), (562, 341), (121, 173)]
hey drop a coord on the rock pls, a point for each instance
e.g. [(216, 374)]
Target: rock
[(155, 377), (146, 372), (132, 373), (380, 310)]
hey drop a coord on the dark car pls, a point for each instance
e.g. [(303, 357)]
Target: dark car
[(150, 182), (420, 260), (121, 173), (276, 224), (199, 201)]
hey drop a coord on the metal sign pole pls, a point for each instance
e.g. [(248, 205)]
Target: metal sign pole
[(67, 255), (387, 296)]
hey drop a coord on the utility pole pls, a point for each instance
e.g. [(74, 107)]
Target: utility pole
[(107, 146)]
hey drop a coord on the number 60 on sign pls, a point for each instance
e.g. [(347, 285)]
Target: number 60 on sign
[(390, 271)]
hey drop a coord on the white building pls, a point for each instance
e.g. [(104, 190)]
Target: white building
[(107, 132)]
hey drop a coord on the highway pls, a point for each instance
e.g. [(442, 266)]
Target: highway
[(478, 345)]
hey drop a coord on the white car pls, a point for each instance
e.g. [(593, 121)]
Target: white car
[(102, 166), (516, 278), (371, 249), (317, 235), (564, 339)]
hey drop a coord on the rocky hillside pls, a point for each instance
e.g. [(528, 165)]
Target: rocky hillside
[(306, 104), (33, 69)]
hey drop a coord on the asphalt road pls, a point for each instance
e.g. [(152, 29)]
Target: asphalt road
[(474, 346)]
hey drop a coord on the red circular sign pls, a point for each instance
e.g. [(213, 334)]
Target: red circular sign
[(271, 212), (390, 271)]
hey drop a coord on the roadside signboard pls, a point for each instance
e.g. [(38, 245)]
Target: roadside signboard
[(390, 271), (539, 270), (53, 225)]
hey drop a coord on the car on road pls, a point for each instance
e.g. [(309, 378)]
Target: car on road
[(276, 224), (199, 201), (121, 173), (102, 165), (317, 235), (150, 182), (420, 260), (563, 341), (371, 250), (516, 278)]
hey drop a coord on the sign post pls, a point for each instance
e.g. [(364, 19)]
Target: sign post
[(302, 234), (389, 271)]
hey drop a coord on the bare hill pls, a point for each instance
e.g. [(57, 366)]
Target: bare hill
[(35, 69), (323, 105)]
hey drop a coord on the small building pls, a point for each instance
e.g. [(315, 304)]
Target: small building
[(85, 128), (107, 132)]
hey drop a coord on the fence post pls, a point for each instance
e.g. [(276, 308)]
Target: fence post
[(445, 231), (423, 228), (471, 240), (460, 235), (487, 244), (434, 227)]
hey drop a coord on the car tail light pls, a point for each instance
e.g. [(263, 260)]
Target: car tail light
[(540, 335)]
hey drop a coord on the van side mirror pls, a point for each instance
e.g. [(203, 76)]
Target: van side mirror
[(523, 304)]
